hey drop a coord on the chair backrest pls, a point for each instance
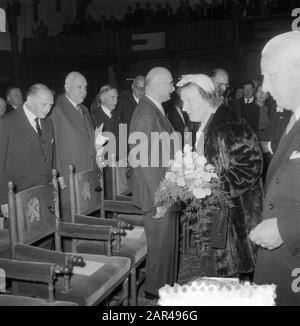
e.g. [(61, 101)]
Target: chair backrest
[(34, 213), (85, 191), (122, 181)]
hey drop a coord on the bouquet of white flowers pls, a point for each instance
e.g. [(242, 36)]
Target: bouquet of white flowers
[(193, 181)]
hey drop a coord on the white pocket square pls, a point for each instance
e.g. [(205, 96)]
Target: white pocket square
[(52, 141), (295, 155)]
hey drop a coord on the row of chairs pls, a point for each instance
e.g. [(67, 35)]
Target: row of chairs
[(111, 249)]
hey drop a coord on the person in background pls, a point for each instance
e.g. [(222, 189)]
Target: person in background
[(103, 111), (74, 135), (14, 98), (2, 106)]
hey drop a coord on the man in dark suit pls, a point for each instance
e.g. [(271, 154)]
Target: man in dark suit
[(278, 235), (179, 119), (103, 111), (161, 227), (74, 134), (247, 108), (27, 144), (127, 103), (14, 99), (220, 79)]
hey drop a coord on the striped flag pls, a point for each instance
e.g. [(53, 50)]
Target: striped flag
[(148, 41)]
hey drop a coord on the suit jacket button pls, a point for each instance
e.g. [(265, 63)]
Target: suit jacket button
[(277, 180), (271, 206)]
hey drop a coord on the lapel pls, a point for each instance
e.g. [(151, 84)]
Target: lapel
[(47, 135), (164, 121), (287, 145), (74, 116)]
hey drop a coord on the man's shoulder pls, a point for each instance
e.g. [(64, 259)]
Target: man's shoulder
[(12, 117)]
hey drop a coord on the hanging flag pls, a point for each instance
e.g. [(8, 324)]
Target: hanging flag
[(148, 41)]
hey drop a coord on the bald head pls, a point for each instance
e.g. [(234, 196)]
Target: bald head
[(39, 100), (220, 80), (280, 66), (2, 106), (138, 86), (76, 87), (159, 84)]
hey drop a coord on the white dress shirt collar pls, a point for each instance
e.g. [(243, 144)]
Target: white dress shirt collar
[(249, 100), (157, 104), (297, 113), (31, 117), (135, 98), (106, 111), (72, 102)]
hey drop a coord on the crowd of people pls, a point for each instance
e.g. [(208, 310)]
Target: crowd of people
[(241, 137), (140, 16)]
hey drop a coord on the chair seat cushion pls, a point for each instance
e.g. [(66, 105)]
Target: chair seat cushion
[(4, 244), (86, 290), (132, 247), (133, 219)]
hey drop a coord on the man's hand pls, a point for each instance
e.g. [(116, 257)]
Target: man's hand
[(266, 234), (4, 209), (160, 212)]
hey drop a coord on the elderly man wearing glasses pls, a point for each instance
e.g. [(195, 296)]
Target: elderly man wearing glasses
[(128, 102)]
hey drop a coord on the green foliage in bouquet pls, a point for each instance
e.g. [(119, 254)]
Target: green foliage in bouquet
[(192, 181)]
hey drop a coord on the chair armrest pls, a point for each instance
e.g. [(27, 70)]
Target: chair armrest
[(30, 271), (36, 254), (118, 206), (85, 231), (115, 223)]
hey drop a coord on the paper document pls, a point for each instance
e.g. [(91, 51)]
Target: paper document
[(89, 268)]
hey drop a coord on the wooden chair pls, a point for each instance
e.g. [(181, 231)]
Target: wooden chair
[(122, 191), (31, 272), (34, 214), (86, 199)]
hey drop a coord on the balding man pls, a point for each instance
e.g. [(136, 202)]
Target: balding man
[(103, 111), (14, 98), (278, 235), (2, 106), (74, 134), (128, 102), (27, 143), (160, 226)]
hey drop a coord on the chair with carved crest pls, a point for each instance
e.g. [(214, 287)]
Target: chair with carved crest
[(30, 272), (34, 214), (86, 199)]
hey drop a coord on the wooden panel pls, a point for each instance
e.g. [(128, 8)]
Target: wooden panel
[(35, 214), (87, 199)]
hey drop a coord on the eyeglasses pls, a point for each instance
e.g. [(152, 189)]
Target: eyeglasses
[(139, 88), (226, 85)]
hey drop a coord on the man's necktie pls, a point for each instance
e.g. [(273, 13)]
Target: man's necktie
[(78, 108), (38, 127)]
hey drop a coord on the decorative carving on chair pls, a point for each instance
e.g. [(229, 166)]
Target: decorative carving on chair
[(86, 190), (33, 212)]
